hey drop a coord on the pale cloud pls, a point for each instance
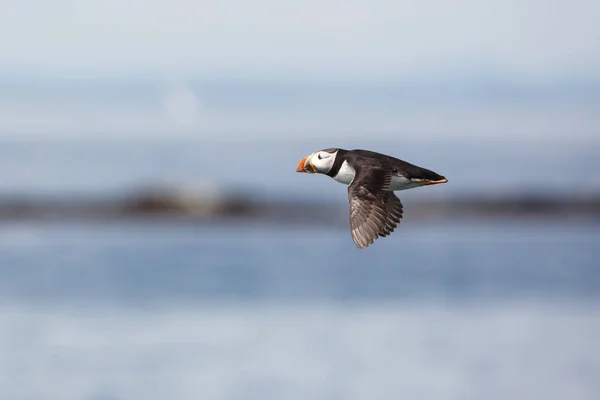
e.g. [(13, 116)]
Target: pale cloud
[(270, 38)]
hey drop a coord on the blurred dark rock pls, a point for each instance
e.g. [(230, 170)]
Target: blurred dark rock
[(209, 204)]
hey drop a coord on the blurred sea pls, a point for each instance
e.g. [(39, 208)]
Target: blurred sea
[(266, 166), (452, 309)]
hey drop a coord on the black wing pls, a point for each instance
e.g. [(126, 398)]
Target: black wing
[(394, 213), (374, 211)]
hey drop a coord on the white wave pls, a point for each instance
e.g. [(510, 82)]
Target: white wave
[(182, 105), (502, 351)]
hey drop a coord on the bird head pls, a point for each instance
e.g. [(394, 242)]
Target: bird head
[(319, 162)]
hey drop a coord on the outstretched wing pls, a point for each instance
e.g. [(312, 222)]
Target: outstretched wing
[(374, 211), (394, 213)]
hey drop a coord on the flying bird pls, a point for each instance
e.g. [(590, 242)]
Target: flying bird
[(372, 179)]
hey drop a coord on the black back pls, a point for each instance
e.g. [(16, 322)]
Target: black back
[(388, 163)]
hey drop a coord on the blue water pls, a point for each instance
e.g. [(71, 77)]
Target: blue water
[(266, 167), (452, 309), (150, 264)]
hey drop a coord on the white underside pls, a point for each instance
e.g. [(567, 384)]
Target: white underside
[(346, 176)]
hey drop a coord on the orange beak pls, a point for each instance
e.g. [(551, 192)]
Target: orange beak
[(426, 183), (305, 166)]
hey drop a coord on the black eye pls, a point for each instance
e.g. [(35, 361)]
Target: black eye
[(319, 156)]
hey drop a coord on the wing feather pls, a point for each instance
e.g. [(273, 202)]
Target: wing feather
[(395, 212), (374, 210)]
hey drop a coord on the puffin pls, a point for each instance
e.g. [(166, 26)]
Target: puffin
[(372, 178)]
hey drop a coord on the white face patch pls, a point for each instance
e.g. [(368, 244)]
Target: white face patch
[(323, 161)]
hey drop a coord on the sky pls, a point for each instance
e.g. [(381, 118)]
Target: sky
[(177, 43), (537, 40)]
